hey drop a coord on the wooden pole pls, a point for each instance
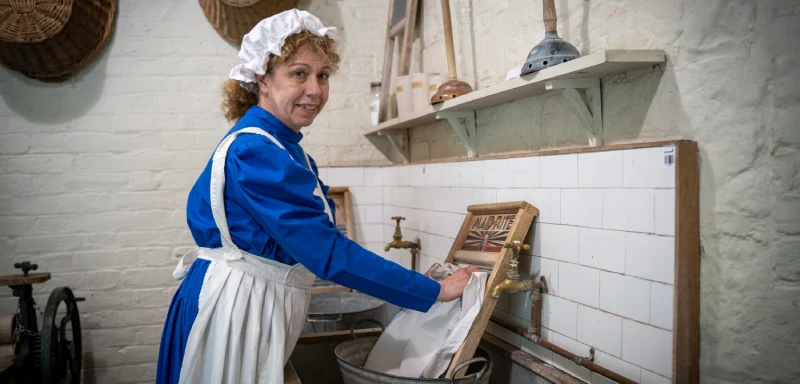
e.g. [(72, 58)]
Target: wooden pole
[(452, 88), (549, 15), (386, 80), (448, 40)]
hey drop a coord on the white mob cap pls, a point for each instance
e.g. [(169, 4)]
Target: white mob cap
[(268, 36)]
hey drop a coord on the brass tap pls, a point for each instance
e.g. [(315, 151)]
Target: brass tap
[(398, 243), (512, 283), (512, 286)]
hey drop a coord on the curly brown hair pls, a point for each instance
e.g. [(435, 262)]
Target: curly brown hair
[(237, 100)]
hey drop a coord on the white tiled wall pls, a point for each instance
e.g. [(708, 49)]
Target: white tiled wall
[(603, 239)]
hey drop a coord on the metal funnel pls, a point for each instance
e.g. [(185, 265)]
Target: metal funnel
[(450, 90), (551, 51), (454, 87)]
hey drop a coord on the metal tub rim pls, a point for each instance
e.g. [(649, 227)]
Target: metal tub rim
[(471, 378), (338, 311), (367, 303)]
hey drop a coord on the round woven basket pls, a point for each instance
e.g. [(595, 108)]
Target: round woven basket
[(233, 19), (50, 40)]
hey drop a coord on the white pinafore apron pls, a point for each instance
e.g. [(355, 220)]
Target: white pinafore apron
[(251, 309)]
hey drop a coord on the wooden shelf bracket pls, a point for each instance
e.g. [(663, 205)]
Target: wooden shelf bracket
[(463, 123), (585, 98), (399, 141)]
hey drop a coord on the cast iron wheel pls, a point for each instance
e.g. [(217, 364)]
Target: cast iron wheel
[(61, 339)]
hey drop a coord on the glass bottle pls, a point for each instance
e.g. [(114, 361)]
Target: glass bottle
[(374, 104)]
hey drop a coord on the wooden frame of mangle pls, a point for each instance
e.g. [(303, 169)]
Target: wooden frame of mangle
[(394, 27), (480, 241)]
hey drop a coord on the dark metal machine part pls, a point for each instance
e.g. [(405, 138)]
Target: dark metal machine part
[(54, 354)]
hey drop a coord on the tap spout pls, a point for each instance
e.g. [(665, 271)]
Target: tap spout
[(397, 238), (397, 242), (511, 285)]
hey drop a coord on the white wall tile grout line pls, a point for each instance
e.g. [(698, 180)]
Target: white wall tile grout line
[(599, 269), (652, 373), (611, 313), (418, 231), (598, 349), (610, 229)]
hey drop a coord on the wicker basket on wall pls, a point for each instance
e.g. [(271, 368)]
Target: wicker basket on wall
[(233, 19), (50, 40)]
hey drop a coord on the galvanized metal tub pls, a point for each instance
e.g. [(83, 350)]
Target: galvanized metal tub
[(353, 354), (339, 311)]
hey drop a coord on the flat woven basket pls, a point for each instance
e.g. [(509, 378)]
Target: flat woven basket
[(233, 19), (50, 40)]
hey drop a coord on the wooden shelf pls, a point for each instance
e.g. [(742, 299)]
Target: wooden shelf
[(593, 66), (415, 119), (580, 74)]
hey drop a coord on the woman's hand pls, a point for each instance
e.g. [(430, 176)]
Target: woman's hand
[(453, 286)]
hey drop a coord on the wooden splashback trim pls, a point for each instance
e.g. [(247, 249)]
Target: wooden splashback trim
[(686, 315), (514, 155)]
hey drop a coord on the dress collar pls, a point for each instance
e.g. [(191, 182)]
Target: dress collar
[(261, 118)]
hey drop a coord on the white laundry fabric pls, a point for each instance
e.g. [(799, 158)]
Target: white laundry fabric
[(268, 36), (251, 309), (417, 344)]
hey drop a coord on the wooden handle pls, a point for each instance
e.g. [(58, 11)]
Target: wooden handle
[(448, 40), (549, 15)]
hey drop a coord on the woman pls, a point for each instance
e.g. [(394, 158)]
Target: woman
[(264, 225)]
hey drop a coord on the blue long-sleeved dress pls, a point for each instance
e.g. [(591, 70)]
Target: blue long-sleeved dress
[(272, 212)]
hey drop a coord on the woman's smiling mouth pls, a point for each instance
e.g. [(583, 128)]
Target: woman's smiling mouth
[(309, 107)]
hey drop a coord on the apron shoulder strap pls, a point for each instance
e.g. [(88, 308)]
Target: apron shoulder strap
[(232, 252), (318, 190)]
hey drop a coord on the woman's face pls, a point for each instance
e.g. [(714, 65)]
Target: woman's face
[(297, 89)]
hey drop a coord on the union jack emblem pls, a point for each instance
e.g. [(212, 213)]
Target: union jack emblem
[(485, 241)]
